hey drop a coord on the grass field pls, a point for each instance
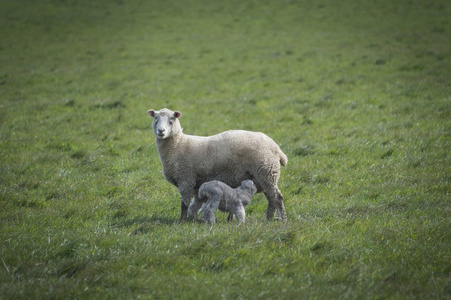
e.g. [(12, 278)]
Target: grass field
[(356, 93)]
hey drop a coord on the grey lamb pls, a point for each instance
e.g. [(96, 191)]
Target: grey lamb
[(218, 195), (231, 157)]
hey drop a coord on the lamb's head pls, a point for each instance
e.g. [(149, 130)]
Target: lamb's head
[(250, 186), (165, 122)]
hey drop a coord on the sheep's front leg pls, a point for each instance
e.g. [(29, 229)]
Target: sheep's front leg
[(184, 211), (185, 193)]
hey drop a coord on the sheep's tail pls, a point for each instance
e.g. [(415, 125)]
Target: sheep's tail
[(283, 158)]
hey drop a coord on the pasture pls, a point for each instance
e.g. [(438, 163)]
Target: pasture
[(356, 93)]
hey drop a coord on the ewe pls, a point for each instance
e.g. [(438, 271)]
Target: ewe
[(231, 157)]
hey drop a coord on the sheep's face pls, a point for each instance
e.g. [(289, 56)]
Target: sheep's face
[(249, 185), (165, 122)]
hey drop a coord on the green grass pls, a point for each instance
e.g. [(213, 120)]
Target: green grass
[(356, 93)]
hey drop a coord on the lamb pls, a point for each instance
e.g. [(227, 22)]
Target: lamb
[(217, 194), (231, 157)]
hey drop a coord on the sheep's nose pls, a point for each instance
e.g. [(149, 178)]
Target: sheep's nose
[(161, 130)]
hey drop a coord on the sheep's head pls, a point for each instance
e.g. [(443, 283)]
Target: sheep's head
[(249, 185), (165, 122)]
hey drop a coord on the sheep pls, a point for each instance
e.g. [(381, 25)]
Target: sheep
[(216, 194), (231, 157)]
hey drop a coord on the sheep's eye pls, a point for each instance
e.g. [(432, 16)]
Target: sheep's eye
[(171, 121)]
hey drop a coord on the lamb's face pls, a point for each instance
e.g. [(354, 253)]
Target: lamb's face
[(164, 122), (249, 184)]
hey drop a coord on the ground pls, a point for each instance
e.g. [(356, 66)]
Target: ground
[(357, 94)]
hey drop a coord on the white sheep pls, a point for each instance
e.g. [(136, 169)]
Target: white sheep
[(218, 195), (231, 157)]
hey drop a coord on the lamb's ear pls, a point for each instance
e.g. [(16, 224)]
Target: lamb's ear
[(177, 114), (151, 113)]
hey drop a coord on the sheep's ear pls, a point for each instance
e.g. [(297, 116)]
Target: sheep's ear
[(151, 113), (177, 114)]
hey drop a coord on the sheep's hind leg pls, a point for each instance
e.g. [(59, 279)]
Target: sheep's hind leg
[(271, 209), (275, 201), (268, 183), (184, 211), (280, 206)]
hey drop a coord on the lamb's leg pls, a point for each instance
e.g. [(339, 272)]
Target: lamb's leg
[(208, 216), (208, 210), (240, 214), (193, 209), (230, 217)]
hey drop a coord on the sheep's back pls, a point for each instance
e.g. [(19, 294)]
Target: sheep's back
[(234, 146)]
